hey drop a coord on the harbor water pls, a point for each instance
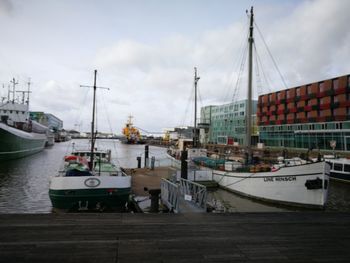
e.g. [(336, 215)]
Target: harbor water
[(24, 183)]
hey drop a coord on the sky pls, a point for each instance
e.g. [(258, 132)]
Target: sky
[(145, 52)]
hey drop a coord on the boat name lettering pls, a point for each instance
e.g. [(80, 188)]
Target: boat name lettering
[(92, 182), (280, 179)]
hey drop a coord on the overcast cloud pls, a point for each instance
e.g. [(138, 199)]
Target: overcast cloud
[(145, 52)]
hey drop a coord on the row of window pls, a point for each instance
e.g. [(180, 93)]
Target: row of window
[(227, 108), (11, 111), (321, 88), (314, 126)]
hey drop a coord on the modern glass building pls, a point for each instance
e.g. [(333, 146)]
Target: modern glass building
[(225, 124), (310, 116), (47, 119)]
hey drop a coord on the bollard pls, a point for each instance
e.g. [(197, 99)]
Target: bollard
[(138, 161), (153, 160), (184, 164), (146, 155), (154, 200)]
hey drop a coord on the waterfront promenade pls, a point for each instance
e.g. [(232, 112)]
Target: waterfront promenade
[(235, 237)]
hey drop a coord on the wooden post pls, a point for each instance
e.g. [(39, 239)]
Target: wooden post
[(184, 164), (146, 155)]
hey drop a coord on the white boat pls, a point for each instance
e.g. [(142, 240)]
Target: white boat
[(89, 180), (293, 183)]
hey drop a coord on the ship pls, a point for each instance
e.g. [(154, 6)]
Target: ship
[(293, 182), (88, 180), (19, 135), (131, 133)]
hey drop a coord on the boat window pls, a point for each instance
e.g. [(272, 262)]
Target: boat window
[(338, 167), (346, 167)]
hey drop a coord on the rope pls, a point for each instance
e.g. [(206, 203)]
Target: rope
[(272, 58)]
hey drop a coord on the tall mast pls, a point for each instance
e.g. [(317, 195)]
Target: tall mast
[(196, 78), (93, 125), (93, 119), (249, 97)]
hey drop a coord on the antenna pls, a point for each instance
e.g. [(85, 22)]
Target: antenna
[(14, 83), (24, 92)]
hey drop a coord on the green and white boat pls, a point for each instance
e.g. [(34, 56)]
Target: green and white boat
[(18, 134), (77, 188), (89, 180)]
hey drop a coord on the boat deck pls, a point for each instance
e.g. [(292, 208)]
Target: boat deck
[(193, 237)]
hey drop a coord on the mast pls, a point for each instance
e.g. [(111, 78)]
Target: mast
[(93, 125), (250, 78), (196, 78), (93, 119)]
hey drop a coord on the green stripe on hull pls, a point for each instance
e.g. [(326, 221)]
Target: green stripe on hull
[(14, 146), (89, 198)]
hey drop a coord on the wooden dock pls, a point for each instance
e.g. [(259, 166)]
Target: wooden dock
[(240, 237)]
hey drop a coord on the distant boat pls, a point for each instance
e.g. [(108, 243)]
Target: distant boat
[(19, 136), (131, 133), (89, 180)]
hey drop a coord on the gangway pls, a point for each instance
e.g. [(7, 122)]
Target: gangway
[(184, 197)]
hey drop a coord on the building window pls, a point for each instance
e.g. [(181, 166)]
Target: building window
[(335, 83), (236, 107), (308, 88), (241, 105), (241, 113), (298, 91), (321, 87), (279, 95)]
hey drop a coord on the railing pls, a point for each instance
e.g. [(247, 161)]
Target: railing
[(170, 194), (195, 193), (185, 192)]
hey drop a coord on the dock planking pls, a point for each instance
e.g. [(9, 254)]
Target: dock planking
[(192, 237)]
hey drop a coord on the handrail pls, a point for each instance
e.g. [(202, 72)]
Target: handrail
[(197, 192), (170, 194)]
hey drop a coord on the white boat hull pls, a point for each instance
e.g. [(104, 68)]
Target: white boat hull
[(285, 186)]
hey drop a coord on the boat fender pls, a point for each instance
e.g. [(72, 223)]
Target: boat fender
[(314, 184), (274, 169), (70, 158)]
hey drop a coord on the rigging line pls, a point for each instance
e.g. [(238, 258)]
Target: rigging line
[(225, 52), (187, 107), (258, 78), (267, 80), (240, 73), (235, 67), (78, 117), (269, 52), (110, 127), (148, 132)]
